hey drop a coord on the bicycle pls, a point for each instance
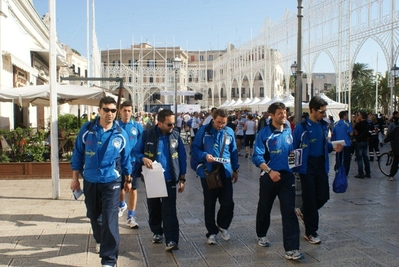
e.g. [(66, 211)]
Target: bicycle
[(384, 162)]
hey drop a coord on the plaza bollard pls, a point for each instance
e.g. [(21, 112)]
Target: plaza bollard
[(298, 191)]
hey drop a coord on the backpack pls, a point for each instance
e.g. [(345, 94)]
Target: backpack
[(190, 122)]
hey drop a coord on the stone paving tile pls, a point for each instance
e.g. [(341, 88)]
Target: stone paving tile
[(358, 228)]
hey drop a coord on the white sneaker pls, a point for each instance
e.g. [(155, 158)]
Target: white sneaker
[(211, 240), (122, 210), (98, 245), (224, 234), (263, 242), (131, 222)]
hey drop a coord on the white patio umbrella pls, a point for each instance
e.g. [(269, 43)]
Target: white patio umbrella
[(39, 95)]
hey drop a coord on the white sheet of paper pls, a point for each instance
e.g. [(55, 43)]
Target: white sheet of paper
[(155, 185), (335, 143)]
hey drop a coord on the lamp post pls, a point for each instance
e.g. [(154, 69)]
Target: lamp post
[(298, 87), (176, 67), (394, 73)]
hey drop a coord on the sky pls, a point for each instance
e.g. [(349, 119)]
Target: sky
[(192, 25)]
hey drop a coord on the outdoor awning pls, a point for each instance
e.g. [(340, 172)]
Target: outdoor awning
[(20, 63)]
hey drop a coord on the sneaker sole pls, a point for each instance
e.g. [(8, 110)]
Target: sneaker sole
[(264, 245), (171, 248), (294, 258), (211, 243), (311, 242)]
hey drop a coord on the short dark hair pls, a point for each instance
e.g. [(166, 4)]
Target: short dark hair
[(126, 103), (316, 103), (275, 106), (220, 112), (107, 100), (163, 114), (363, 114), (342, 114)]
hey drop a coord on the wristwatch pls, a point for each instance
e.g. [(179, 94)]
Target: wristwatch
[(237, 171), (183, 180), (268, 170)]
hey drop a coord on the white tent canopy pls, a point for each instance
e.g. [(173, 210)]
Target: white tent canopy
[(225, 103), (39, 95), (253, 101), (245, 102), (276, 98)]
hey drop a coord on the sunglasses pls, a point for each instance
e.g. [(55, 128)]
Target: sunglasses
[(322, 111), (170, 124), (106, 110)]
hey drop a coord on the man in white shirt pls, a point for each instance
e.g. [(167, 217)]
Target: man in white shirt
[(179, 122), (209, 118)]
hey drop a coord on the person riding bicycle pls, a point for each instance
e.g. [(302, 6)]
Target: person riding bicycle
[(393, 137)]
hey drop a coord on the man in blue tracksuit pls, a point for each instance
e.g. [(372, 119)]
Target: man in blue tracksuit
[(97, 147), (311, 135), (134, 130), (272, 149), (163, 144), (343, 131), (207, 146)]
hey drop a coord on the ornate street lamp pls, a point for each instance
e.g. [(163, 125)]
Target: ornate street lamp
[(176, 67), (394, 73), (294, 67)]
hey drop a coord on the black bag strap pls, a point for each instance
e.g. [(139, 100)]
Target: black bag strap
[(221, 151)]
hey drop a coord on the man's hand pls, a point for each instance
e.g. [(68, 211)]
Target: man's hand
[(127, 186), (147, 162), (275, 176), (339, 148), (75, 184), (234, 177), (181, 187), (209, 158)]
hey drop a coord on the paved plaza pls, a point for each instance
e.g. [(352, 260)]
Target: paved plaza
[(357, 228)]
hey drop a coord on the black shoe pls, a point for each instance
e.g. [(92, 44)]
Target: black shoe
[(156, 239), (381, 144), (367, 175), (360, 176), (371, 159), (246, 155), (171, 246)]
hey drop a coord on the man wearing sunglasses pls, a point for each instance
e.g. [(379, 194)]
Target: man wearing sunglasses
[(311, 135), (164, 145), (97, 147)]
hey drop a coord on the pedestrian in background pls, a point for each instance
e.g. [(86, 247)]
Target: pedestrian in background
[(97, 147), (361, 135), (343, 131), (272, 148)]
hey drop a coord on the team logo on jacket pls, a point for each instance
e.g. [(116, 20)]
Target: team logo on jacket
[(228, 140), (117, 142), (133, 131), (173, 143), (288, 139)]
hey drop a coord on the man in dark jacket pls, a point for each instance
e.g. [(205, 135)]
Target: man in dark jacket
[(163, 144), (362, 134), (393, 137)]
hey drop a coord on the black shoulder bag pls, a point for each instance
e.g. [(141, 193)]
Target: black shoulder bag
[(213, 178)]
